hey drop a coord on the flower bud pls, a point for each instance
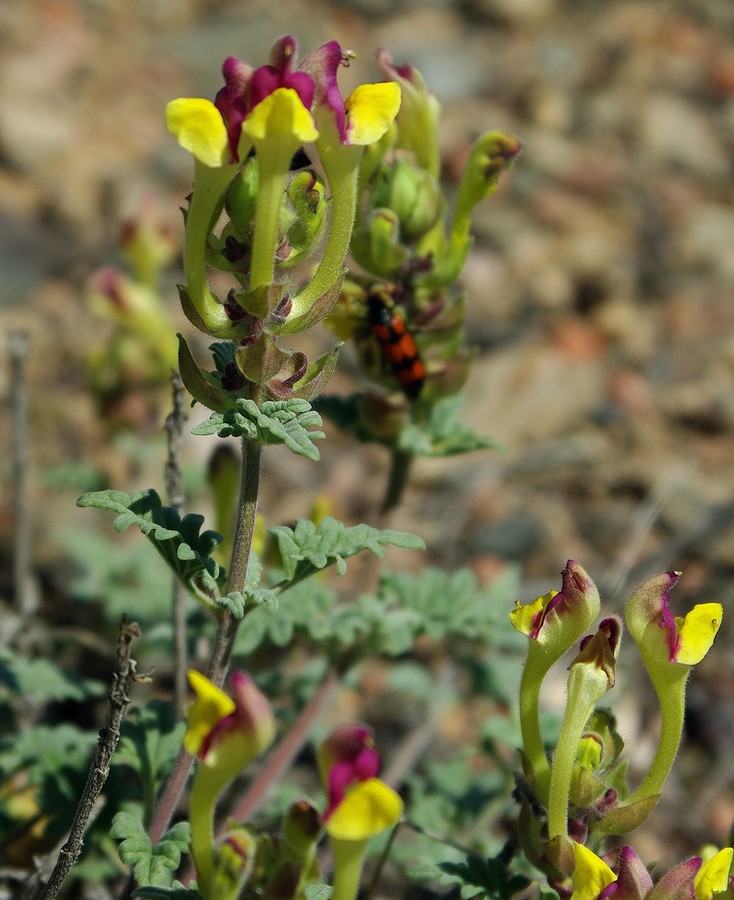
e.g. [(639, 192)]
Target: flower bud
[(307, 198), (376, 246), (412, 194)]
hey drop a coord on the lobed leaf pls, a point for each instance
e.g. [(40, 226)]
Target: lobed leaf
[(151, 739), (308, 548), (180, 542), (442, 433), (291, 422), (152, 865)]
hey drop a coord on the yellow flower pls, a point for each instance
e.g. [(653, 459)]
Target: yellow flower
[(695, 633), (367, 809), (209, 708), (281, 115), (713, 876), (198, 126), (224, 733), (371, 110), (590, 875)]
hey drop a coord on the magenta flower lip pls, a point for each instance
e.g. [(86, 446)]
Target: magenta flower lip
[(245, 87)]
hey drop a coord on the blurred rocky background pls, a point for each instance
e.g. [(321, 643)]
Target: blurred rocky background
[(600, 289)]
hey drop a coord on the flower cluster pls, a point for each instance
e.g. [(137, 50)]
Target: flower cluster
[(226, 734), (584, 787), (249, 161), (698, 878), (402, 310)]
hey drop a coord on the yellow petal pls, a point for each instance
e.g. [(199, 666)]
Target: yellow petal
[(367, 809), (210, 707), (281, 114), (696, 633), (713, 876), (199, 128), (523, 616), (371, 109), (590, 875)]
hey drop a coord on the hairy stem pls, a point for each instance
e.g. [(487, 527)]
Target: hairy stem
[(227, 631), (175, 422), (400, 465)]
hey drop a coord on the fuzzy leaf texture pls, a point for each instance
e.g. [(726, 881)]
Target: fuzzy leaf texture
[(308, 548), (152, 865), (318, 891), (480, 877), (179, 541), (442, 434), (275, 422), (42, 679), (151, 739)]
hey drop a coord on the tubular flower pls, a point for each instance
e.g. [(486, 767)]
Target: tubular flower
[(553, 623), (360, 806), (670, 646), (419, 113), (346, 127), (366, 114), (591, 675), (663, 637), (225, 733), (219, 133)]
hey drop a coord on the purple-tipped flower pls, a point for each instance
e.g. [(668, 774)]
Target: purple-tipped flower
[(556, 620), (367, 112), (664, 637)]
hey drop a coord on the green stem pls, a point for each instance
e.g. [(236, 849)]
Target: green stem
[(201, 817), (532, 740), (670, 688), (586, 686), (341, 165), (400, 465), (242, 545), (227, 631), (348, 860), (273, 159), (209, 188)]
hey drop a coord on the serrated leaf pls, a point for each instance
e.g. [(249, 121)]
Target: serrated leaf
[(308, 548), (151, 739), (442, 433), (151, 865), (480, 877), (180, 542), (275, 422), (42, 679)]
